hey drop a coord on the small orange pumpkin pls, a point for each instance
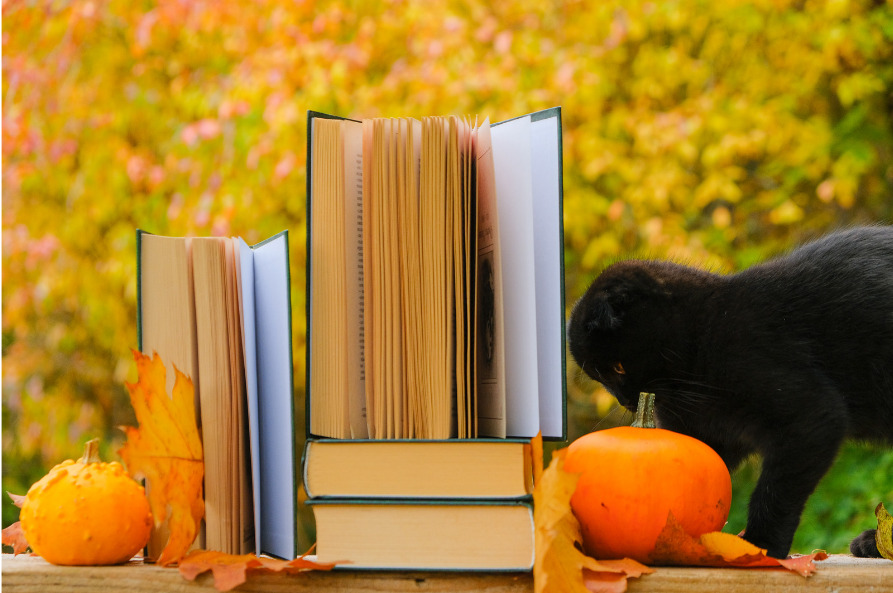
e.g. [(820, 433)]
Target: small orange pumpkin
[(632, 477), (86, 513)]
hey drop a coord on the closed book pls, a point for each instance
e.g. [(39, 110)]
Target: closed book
[(425, 535), (478, 468)]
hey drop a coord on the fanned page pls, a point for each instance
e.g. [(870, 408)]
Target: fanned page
[(336, 373), (167, 320), (221, 395), (490, 345)]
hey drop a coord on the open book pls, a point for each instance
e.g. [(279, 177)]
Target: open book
[(435, 278), (220, 312)]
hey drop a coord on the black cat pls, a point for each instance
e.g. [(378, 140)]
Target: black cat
[(784, 359)]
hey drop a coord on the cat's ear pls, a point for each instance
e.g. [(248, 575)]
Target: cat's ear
[(603, 315)]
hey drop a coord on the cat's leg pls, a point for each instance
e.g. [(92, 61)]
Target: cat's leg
[(865, 545), (793, 465)]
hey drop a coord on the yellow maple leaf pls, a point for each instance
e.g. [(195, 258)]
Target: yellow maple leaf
[(884, 535), (166, 450), (559, 565)]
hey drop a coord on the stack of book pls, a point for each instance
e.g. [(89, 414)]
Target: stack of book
[(435, 347), (435, 317)]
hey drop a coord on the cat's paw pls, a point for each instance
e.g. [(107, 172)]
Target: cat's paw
[(865, 545)]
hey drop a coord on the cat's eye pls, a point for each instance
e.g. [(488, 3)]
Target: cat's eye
[(618, 368)]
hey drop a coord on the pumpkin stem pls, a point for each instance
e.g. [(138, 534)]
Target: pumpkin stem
[(645, 411), (91, 452)]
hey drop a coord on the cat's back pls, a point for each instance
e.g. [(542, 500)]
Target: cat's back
[(828, 306), (843, 270)]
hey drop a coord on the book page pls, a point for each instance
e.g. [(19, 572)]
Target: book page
[(490, 345), (437, 281), (550, 323), (216, 391), (411, 289), (352, 146), (278, 471), (327, 331), (393, 298), (469, 266), (514, 192), (249, 335), (372, 413), (167, 324)]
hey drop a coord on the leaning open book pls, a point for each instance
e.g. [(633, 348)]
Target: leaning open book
[(435, 300), (220, 312)]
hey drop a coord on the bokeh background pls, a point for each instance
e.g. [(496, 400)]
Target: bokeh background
[(714, 133)]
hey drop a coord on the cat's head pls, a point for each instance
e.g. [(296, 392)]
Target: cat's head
[(622, 327)]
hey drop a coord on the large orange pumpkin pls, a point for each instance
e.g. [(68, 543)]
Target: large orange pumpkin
[(632, 477), (86, 512)]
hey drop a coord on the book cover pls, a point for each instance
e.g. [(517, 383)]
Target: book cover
[(425, 535), (455, 468)]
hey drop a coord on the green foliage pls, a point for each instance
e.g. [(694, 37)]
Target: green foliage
[(714, 132), (842, 506)]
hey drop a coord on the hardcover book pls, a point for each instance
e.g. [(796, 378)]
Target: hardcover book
[(220, 312), (425, 535), (466, 468), (435, 300)]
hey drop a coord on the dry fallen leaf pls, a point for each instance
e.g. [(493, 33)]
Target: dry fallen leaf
[(675, 547), (559, 565), (17, 499), (14, 537), (166, 450), (230, 571), (884, 535)]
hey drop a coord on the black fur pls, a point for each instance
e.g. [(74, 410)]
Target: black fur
[(784, 359)]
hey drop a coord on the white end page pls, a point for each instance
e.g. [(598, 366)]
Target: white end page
[(512, 160), (546, 177), (249, 333), (278, 476)]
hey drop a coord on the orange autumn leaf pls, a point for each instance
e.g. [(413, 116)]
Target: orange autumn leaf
[(166, 450), (675, 547), (883, 537), (230, 571), (559, 563), (14, 537)]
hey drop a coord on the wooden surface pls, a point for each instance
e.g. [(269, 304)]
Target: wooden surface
[(841, 574)]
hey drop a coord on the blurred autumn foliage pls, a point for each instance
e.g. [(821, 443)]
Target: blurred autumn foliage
[(713, 132)]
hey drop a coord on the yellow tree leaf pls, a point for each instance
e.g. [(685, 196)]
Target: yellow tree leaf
[(166, 450), (884, 535), (559, 565)]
